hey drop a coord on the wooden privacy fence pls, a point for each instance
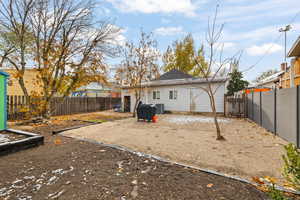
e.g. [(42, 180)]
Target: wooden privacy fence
[(63, 106), (235, 106)]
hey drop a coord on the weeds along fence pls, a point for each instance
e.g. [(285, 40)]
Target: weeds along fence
[(63, 106), (277, 111)]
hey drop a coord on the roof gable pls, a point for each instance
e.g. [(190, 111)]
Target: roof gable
[(174, 74), (295, 50)]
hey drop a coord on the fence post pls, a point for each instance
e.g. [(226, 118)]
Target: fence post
[(275, 111), (252, 113), (260, 108), (298, 116), (246, 106)]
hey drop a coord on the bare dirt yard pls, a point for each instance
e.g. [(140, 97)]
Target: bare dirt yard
[(65, 168), (190, 139)]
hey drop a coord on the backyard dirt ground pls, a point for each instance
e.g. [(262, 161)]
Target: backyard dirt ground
[(248, 151), (65, 168)]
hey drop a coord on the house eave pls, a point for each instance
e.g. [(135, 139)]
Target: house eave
[(175, 82), (295, 50)]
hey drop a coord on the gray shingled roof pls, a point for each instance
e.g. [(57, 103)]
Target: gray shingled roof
[(174, 74)]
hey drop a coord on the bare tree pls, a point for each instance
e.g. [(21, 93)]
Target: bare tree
[(139, 65), (14, 20), (216, 68), (68, 46)]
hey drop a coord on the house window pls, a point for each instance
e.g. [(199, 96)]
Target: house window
[(156, 95), (173, 94)]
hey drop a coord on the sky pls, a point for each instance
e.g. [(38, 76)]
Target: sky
[(250, 26)]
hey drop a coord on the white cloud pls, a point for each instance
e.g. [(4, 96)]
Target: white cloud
[(186, 7), (226, 45), (245, 11), (165, 31), (268, 32), (254, 35), (119, 37), (267, 48)]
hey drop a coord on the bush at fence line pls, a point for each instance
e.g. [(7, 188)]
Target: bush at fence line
[(35, 108), (291, 168)]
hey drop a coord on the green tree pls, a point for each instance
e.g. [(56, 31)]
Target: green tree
[(236, 82), (181, 56)]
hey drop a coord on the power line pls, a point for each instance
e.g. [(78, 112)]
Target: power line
[(295, 17), (264, 55), (269, 49)]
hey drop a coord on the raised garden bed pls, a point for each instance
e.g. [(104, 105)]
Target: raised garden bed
[(15, 140)]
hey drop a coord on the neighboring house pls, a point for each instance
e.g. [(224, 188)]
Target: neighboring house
[(96, 89), (288, 76), (271, 82), (179, 92), (30, 80), (291, 77)]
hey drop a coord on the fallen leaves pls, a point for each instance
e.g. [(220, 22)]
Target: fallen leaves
[(258, 180)]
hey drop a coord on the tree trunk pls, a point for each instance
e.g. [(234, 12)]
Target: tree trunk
[(134, 110), (46, 112), (138, 96), (135, 107), (24, 89), (25, 92), (213, 106)]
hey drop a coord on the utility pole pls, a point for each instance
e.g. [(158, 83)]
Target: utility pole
[(285, 30)]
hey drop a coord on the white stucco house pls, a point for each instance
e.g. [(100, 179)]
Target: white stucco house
[(179, 92)]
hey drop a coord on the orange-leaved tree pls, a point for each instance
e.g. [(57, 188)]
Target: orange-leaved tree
[(67, 47)]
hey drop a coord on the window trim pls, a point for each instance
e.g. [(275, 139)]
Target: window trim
[(156, 95), (173, 94)]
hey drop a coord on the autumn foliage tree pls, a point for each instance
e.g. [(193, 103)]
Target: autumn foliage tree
[(67, 47), (181, 56), (16, 37), (139, 65)]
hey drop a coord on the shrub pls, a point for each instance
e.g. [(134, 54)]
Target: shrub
[(291, 168)]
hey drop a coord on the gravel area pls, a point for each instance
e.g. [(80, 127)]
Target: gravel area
[(248, 151), (185, 119)]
